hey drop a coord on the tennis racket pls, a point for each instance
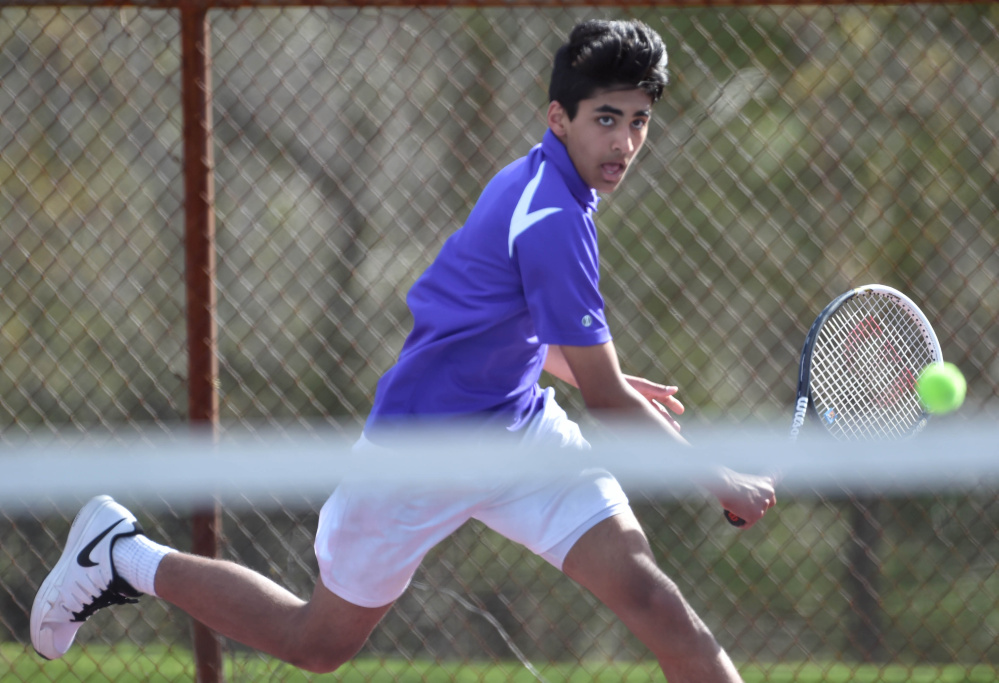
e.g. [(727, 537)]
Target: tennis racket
[(858, 370)]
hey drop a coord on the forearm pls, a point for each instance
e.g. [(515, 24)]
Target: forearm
[(619, 404), (610, 395), (628, 406), (620, 401)]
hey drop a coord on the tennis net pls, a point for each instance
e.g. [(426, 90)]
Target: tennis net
[(878, 561)]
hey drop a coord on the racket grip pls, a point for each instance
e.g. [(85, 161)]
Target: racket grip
[(734, 519)]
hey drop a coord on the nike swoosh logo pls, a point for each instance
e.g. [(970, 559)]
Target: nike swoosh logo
[(523, 219), (83, 559)]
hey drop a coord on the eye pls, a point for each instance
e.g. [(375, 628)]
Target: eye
[(639, 124), (606, 120)]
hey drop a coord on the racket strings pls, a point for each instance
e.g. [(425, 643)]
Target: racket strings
[(864, 367)]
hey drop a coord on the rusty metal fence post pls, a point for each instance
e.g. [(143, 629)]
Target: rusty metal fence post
[(801, 149), (199, 213)]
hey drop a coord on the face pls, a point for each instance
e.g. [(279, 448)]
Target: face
[(605, 136)]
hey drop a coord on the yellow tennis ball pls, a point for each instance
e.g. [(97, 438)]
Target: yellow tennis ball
[(941, 387)]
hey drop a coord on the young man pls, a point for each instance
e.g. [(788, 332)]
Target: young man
[(512, 293)]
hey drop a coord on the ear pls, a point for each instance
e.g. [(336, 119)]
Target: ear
[(557, 118)]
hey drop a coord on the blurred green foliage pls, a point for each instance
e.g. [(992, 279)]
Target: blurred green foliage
[(800, 151)]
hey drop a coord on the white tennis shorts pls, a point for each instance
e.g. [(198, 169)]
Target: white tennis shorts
[(371, 539)]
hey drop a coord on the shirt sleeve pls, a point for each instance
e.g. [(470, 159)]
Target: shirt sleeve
[(559, 265)]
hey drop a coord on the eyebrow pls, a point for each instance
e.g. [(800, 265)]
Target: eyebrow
[(607, 109)]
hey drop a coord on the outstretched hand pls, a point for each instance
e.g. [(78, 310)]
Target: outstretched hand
[(659, 395)]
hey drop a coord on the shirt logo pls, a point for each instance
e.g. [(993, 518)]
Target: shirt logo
[(522, 218), (587, 320)]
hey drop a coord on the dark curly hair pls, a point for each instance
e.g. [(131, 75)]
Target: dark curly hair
[(607, 55)]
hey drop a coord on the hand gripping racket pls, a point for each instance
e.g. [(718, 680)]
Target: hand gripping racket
[(858, 370)]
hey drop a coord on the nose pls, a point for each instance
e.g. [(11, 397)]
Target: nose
[(622, 142)]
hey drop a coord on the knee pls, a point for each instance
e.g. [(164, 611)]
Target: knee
[(321, 657), (651, 593)]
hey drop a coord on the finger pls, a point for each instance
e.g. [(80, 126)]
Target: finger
[(660, 391), (668, 403), (653, 389), (664, 412)]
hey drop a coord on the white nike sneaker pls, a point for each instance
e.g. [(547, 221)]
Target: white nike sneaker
[(84, 579)]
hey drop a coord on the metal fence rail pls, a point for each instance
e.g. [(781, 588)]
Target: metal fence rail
[(214, 215)]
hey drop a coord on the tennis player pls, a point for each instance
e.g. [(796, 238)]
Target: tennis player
[(514, 292)]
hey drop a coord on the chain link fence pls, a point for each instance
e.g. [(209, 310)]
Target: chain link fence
[(800, 151)]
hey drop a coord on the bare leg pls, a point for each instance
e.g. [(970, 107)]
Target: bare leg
[(614, 561), (318, 635)]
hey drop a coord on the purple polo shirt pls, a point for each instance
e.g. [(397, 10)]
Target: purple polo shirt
[(522, 273)]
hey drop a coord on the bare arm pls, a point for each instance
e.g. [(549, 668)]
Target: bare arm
[(661, 397), (558, 366), (608, 392)]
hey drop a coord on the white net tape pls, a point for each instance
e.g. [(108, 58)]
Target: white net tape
[(243, 466)]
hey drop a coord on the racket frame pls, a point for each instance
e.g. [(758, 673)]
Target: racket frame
[(804, 404)]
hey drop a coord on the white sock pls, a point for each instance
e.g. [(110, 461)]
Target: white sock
[(136, 559)]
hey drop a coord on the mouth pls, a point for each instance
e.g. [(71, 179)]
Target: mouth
[(613, 171)]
